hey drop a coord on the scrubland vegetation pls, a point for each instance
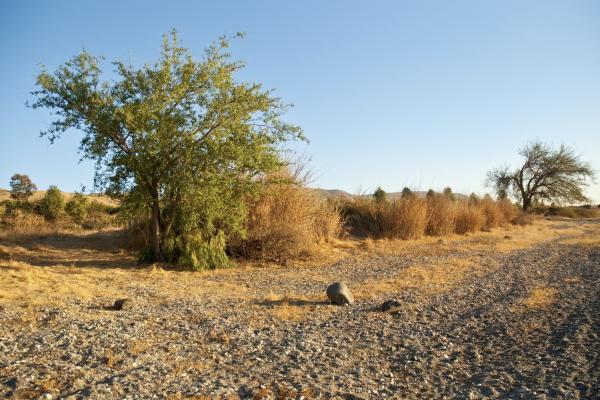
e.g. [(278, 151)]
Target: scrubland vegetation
[(286, 221)]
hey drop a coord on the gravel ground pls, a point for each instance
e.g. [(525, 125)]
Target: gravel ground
[(488, 336)]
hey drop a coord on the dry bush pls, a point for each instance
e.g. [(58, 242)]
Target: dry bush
[(365, 217), (508, 210), (404, 219), (491, 213), (441, 216), (287, 221), (469, 218), (572, 212), (523, 219), (27, 222), (408, 218)]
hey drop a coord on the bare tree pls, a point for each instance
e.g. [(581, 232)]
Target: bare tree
[(547, 175)]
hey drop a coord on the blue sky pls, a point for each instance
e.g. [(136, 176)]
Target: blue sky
[(392, 93)]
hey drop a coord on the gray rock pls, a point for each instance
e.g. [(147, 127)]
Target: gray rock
[(390, 304), (339, 294), (122, 304)]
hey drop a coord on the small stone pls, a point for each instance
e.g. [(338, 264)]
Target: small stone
[(339, 294), (122, 304), (390, 304)]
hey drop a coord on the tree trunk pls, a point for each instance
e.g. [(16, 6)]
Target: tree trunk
[(155, 229), (526, 203)]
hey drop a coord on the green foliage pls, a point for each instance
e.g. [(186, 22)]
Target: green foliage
[(474, 200), (379, 195), (197, 253), (21, 187), (77, 207), (448, 193), (180, 141), (406, 193), (52, 204), (430, 194)]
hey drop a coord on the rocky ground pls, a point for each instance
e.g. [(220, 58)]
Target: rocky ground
[(523, 324)]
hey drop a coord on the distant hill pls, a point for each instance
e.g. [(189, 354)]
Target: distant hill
[(38, 194), (333, 193)]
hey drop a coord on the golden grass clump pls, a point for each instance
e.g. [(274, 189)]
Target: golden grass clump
[(399, 219), (441, 216), (287, 221), (540, 297), (408, 218), (491, 212), (469, 218), (508, 210)]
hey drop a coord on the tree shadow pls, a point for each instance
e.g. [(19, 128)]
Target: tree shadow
[(103, 249)]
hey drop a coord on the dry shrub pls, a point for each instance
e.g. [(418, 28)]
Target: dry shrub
[(27, 222), (508, 210), (408, 218), (365, 217), (404, 219), (523, 219), (469, 218), (491, 213), (287, 221), (441, 216)]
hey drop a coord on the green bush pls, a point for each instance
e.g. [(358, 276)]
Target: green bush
[(77, 207), (53, 203), (194, 252)]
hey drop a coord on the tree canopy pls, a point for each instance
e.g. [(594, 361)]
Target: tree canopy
[(21, 187), (379, 195), (181, 141), (547, 175)]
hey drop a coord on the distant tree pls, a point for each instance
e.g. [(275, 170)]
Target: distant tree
[(547, 175), (180, 141), (379, 195), (430, 194), (21, 187), (52, 204), (474, 199), (448, 193), (406, 193)]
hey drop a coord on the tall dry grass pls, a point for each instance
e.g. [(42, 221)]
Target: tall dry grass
[(441, 216), (469, 218), (412, 217), (287, 221)]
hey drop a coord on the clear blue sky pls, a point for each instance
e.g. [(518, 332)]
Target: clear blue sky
[(392, 93)]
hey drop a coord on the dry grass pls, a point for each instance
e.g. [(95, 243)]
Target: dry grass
[(540, 297), (441, 216), (37, 273), (110, 358), (427, 279), (402, 219), (469, 218), (411, 218), (287, 222), (39, 194), (289, 308)]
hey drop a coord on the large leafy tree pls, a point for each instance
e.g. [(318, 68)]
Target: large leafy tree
[(546, 175), (180, 140)]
